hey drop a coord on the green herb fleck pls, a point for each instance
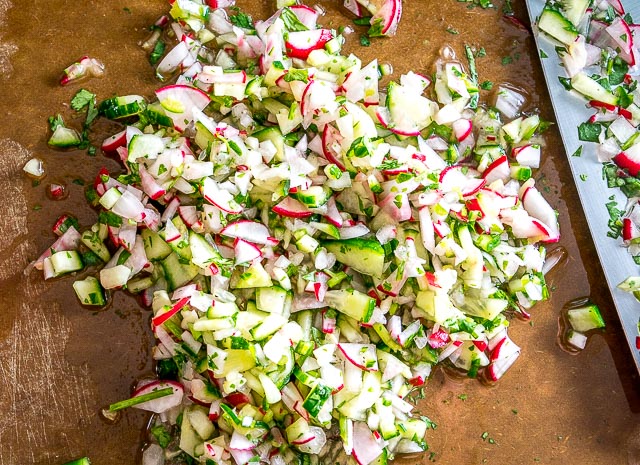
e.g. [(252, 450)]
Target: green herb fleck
[(241, 19), (589, 132), (82, 98), (452, 30), (364, 40), (157, 52), (486, 85), (162, 435), (578, 152)]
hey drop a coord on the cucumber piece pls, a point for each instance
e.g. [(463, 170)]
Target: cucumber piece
[(65, 137), (154, 246), (89, 291), (199, 419), (529, 126), (155, 114), (177, 271), (552, 22), (136, 286), (122, 107), (82, 461), (357, 407), (592, 89), (314, 197), (363, 255), (413, 429), (388, 428), (203, 137), (352, 303), (189, 439), (574, 10), (585, 318), (237, 360), (93, 242), (326, 228), (316, 399), (282, 373), (268, 326), (180, 245), (203, 254), (255, 276), (145, 146), (65, 262), (271, 299), (274, 135)]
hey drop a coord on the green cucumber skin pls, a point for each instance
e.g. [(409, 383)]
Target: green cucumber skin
[(363, 255)]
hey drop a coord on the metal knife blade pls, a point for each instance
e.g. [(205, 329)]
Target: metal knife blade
[(570, 111)]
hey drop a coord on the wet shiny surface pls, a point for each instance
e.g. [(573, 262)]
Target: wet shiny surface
[(60, 363)]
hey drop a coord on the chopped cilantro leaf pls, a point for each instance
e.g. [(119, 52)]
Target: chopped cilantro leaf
[(364, 21), (157, 52), (55, 122), (82, 98), (364, 40), (589, 132), (486, 85), (241, 19), (578, 152)]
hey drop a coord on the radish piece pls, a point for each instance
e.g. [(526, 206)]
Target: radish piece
[(498, 169), (629, 160), (333, 214), (306, 15), (241, 457), (331, 137), (509, 101), (178, 101), (462, 128), (292, 208), (240, 442), (112, 143), (70, 240), (357, 230), (316, 443), (34, 167), (245, 252), (617, 5), (387, 18), (250, 231), (623, 38), (365, 447), (300, 44), (527, 155), (354, 7), (161, 404), (453, 179), (362, 356), (189, 214), (161, 318), (537, 206), (219, 197), (498, 367), (173, 59), (149, 184)]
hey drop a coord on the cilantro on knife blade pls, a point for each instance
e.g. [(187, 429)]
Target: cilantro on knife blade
[(589, 132)]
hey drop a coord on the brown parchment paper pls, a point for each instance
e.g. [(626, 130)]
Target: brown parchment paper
[(60, 363)]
